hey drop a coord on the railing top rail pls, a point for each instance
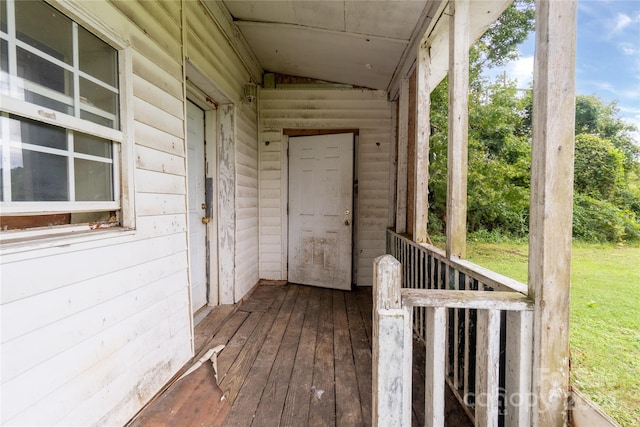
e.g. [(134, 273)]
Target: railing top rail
[(482, 274), (511, 301)]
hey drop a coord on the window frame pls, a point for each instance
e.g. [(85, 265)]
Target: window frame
[(122, 139)]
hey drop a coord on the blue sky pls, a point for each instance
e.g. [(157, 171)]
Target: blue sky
[(607, 58)]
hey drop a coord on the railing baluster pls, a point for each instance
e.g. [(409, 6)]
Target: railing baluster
[(434, 369), (518, 368), (487, 368)]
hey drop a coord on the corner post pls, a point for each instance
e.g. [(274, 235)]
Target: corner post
[(551, 207), (391, 352), (423, 130), (403, 147), (458, 128)]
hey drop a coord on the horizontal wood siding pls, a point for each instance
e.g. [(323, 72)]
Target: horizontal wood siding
[(246, 201), (366, 110), (374, 149), (91, 331)]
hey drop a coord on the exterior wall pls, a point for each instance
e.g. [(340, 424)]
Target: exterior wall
[(94, 325), (366, 110)]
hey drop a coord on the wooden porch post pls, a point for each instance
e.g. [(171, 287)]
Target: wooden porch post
[(391, 347), (403, 143), (458, 128), (423, 130), (551, 207)]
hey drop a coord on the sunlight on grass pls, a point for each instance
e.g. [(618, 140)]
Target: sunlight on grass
[(605, 318)]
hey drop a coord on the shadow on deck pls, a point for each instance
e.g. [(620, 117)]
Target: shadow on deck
[(294, 356)]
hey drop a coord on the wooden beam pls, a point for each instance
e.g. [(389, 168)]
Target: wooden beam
[(423, 105), (403, 143), (458, 128), (552, 206), (510, 301)]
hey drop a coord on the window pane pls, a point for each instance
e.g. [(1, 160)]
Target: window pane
[(56, 91), (44, 28), (3, 16), (36, 133), (97, 96), (38, 176), (97, 58), (88, 144), (93, 181), (4, 66), (97, 119)]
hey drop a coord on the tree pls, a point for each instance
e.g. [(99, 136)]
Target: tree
[(599, 169), (593, 117), (607, 171), (498, 144)]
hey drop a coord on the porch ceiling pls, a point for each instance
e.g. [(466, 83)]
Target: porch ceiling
[(369, 43), (358, 42)]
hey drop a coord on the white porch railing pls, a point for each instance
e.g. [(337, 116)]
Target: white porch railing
[(477, 329)]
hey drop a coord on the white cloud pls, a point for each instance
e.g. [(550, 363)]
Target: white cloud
[(629, 48), (521, 70), (621, 22)]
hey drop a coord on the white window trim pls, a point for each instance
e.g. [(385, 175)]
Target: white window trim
[(123, 156)]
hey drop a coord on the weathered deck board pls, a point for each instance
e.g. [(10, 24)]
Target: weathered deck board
[(250, 394), (361, 353), (270, 408), (322, 407), (294, 356), (348, 410), (296, 407)]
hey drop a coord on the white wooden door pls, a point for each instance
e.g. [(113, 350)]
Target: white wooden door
[(321, 210), (196, 200)]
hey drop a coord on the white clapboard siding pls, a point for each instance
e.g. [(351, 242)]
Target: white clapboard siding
[(246, 200), (150, 137), (365, 110), (167, 37), (91, 330), (374, 147), (272, 164), (157, 76), (161, 161), (221, 64), (57, 304)]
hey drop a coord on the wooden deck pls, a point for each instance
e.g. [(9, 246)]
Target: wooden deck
[(294, 356)]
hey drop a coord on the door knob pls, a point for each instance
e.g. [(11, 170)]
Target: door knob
[(347, 222), (206, 220)]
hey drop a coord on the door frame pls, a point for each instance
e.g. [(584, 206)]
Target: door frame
[(209, 108), (286, 134), (199, 167)]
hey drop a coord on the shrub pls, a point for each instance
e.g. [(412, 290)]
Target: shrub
[(600, 221)]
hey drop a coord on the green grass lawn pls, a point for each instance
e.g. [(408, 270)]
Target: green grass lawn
[(605, 319)]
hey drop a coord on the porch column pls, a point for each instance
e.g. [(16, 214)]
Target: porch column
[(423, 130), (458, 128), (551, 206), (403, 144)]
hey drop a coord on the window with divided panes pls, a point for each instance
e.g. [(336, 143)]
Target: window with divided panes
[(59, 121)]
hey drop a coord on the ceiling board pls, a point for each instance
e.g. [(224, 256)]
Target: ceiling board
[(395, 19), (370, 43), (323, 54)]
